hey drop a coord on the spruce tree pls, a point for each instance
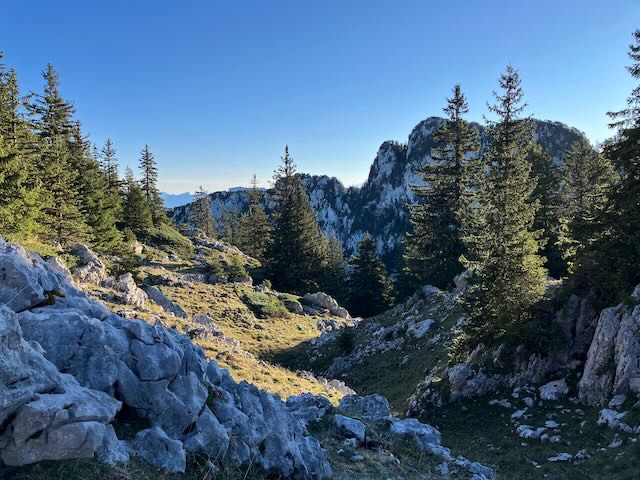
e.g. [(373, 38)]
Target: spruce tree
[(137, 215), (588, 176), (370, 289), (295, 255), (610, 267), (19, 195), (549, 219), (254, 230), (502, 246), (109, 166), (434, 246), (149, 185), (333, 279), (200, 214)]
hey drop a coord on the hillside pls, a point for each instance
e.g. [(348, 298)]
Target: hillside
[(379, 206)]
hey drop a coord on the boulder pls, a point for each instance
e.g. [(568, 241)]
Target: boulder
[(156, 448), (308, 408), (162, 301), (554, 390), (327, 302), (90, 268), (425, 436), (132, 294), (45, 415), (372, 407), (351, 427)]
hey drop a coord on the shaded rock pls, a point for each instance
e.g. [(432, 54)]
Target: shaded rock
[(425, 436), (351, 426), (308, 408), (373, 407), (156, 448), (113, 451), (554, 390)]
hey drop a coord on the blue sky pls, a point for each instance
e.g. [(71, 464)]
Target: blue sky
[(218, 88)]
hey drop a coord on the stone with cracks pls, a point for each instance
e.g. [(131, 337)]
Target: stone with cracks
[(372, 407), (351, 427), (327, 302)]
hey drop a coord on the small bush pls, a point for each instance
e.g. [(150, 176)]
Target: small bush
[(346, 341), (169, 240), (264, 305)]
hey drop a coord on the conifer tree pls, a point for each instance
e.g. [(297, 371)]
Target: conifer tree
[(611, 266), (19, 206), (333, 279), (588, 176), (53, 114), (434, 246), (201, 214), (547, 176), (370, 289), (109, 166), (295, 256), (137, 215), (149, 185), (502, 246), (254, 230)]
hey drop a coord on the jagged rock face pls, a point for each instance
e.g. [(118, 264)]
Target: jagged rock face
[(379, 206), (90, 268), (110, 361), (613, 361)]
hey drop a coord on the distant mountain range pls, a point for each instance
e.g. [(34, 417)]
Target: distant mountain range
[(172, 200), (379, 205)]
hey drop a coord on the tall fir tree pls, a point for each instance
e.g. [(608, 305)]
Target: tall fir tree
[(254, 229), (334, 275), (295, 255), (136, 213), (434, 246), (547, 176), (52, 119), (149, 185), (200, 214), (610, 266), (588, 176), (370, 289), (502, 246), (19, 195), (109, 166)]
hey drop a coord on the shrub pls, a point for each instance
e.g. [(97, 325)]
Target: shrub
[(169, 240), (264, 305)]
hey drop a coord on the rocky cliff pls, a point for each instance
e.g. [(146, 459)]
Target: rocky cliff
[(379, 205)]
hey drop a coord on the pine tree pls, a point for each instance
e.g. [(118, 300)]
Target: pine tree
[(547, 176), (295, 256), (334, 279), (588, 176), (19, 206), (97, 205), (433, 248), (137, 215), (201, 214), (254, 230), (62, 220), (370, 289), (109, 166), (611, 266), (149, 185), (502, 247)]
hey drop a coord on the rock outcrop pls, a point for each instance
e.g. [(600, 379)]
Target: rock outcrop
[(90, 268), (47, 326), (322, 300)]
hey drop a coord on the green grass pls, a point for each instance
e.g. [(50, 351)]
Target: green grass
[(166, 238), (264, 305)]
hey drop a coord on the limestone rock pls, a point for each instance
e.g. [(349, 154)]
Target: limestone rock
[(425, 436), (90, 268), (327, 302), (554, 390), (308, 408), (372, 407), (156, 448), (167, 305), (351, 426), (132, 294)]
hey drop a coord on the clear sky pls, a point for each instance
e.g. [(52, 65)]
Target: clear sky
[(217, 88)]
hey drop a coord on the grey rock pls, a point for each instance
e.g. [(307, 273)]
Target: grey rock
[(372, 407), (327, 302), (554, 390), (132, 295), (425, 436), (308, 408), (351, 426), (113, 451), (161, 300), (156, 448), (90, 268)]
